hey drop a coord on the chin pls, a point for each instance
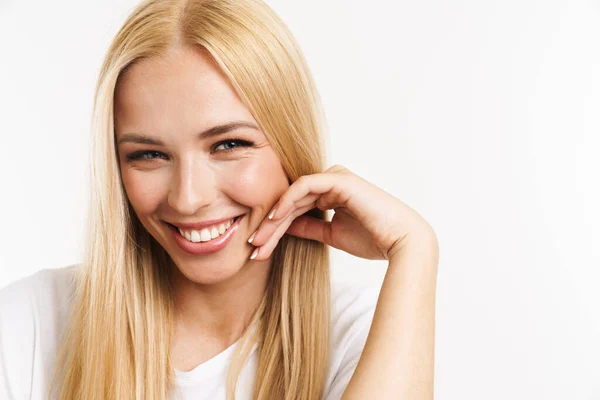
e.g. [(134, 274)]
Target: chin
[(208, 272)]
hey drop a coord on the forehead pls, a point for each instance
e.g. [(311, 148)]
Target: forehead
[(185, 89)]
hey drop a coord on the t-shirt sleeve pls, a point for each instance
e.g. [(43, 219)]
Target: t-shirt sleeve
[(356, 324), (17, 340)]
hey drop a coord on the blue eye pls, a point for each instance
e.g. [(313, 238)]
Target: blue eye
[(151, 155), (229, 142), (137, 155)]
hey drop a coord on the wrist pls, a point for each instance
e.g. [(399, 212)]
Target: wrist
[(421, 243)]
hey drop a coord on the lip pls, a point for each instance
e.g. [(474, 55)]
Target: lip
[(206, 247), (204, 224)]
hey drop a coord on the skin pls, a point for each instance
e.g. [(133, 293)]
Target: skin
[(187, 180)]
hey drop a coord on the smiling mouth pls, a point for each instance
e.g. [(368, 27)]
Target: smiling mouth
[(204, 235)]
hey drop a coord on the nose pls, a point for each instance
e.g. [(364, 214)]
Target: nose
[(192, 188)]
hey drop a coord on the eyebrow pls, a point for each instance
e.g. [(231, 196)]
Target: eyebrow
[(211, 132)]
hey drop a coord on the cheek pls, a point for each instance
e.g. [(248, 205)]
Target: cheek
[(143, 190), (259, 181)]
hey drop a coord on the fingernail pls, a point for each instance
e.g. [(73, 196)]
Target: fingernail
[(254, 254), (252, 237), (272, 213)]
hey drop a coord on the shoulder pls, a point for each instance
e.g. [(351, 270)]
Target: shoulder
[(38, 291), (32, 314), (35, 299), (353, 307)]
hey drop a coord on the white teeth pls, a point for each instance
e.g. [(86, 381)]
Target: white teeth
[(206, 234)]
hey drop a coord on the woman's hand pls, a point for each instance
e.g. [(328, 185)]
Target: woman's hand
[(368, 222)]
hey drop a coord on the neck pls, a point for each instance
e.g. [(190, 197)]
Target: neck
[(222, 311)]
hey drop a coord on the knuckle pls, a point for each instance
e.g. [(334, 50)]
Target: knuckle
[(302, 179), (339, 170)]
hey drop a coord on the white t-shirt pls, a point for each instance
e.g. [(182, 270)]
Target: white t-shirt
[(33, 311)]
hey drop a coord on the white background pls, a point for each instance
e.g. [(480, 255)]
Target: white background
[(484, 116)]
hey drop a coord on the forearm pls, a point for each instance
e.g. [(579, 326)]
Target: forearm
[(398, 358)]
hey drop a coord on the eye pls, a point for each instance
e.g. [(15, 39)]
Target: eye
[(232, 144), (141, 155), (223, 146)]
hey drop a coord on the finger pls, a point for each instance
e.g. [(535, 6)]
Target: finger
[(268, 243), (267, 227), (305, 185), (330, 200), (312, 228), (309, 199)]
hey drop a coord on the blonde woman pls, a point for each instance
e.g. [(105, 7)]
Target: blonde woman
[(206, 270)]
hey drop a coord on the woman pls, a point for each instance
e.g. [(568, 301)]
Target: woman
[(208, 234)]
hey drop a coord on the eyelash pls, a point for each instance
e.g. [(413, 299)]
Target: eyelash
[(139, 155)]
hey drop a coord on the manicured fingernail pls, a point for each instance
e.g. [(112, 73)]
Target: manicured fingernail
[(272, 213), (252, 237), (254, 254)]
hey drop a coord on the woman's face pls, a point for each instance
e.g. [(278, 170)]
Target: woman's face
[(180, 173)]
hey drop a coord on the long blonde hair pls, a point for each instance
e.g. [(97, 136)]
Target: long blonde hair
[(117, 344)]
